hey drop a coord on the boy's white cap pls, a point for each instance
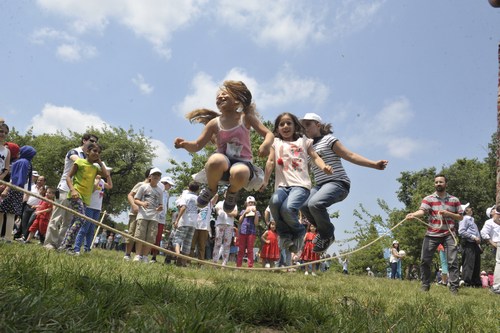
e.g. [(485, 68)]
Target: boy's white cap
[(488, 211), (312, 116), (395, 242), (250, 199), (35, 173), (167, 179), (154, 170), (465, 206), (367, 268)]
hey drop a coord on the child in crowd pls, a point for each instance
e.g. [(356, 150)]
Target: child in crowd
[(4, 152), (249, 219), (231, 129), (167, 183), (149, 199), (484, 280), (12, 202), (395, 260), (444, 265), (185, 223), (80, 181), (86, 232), (42, 217), (224, 226), (307, 253), (270, 252), (288, 158), (202, 232), (329, 188), (132, 215)]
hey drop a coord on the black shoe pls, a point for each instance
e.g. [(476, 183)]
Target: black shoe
[(204, 198), (230, 201), (322, 244)]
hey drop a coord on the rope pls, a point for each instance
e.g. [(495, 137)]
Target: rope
[(203, 262)]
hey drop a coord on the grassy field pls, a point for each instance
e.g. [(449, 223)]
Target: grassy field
[(43, 290)]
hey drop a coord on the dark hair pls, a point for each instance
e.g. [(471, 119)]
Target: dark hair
[(146, 174), (325, 129), (5, 126), (87, 136), (299, 129), (269, 225), (92, 145), (441, 175), (194, 186)]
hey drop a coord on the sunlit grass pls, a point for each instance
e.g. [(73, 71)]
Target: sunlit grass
[(48, 291)]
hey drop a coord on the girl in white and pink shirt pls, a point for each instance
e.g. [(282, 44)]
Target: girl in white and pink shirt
[(289, 159)]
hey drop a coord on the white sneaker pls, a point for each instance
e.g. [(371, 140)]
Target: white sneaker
[(137, 258), (145, 259), (306, 273), (126, 257), (313, 274)]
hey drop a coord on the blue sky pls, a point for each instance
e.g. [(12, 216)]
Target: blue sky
[(414, 82)]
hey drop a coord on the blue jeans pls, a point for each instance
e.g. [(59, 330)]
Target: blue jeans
[(429, 248), (315, 209), (284, 205), (86, 232)]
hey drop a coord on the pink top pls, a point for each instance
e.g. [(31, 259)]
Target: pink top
[(291, 168), (234, 142)]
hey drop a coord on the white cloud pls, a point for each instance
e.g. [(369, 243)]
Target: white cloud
[(75, 52), (286, 88), (154, 20), (286, 24), (355, 15), (386, 129), (70, 48), (162, 154), (61, 118), (144, 87)]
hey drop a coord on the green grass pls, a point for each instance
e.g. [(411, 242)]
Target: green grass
[(43, 290)]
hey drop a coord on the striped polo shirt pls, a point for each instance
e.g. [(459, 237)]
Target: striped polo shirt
[(324, 147), (438, 225)]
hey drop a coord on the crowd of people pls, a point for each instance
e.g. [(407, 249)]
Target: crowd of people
[(207, 223)]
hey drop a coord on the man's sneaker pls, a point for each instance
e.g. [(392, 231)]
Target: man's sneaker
[(137, 258), (322, 244), (126, 257), (145, 259), (495, 290), (230, 201), (153, 261), (204, 197)]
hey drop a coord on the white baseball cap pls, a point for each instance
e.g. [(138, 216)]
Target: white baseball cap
[(167, 179), (465, 206), (35, 173), (250, 199), (154, 170), (312, 116), (488, 211)]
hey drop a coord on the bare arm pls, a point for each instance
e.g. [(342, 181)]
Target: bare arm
[(268, 136), (419, 213), (193, 146), (69, 181), (268, 170), (319, 161), (352, 157)]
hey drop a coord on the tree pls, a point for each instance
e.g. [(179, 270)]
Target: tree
[(368, 228)]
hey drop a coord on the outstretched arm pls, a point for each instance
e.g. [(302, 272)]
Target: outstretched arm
[(203, 139), (352, 157)]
